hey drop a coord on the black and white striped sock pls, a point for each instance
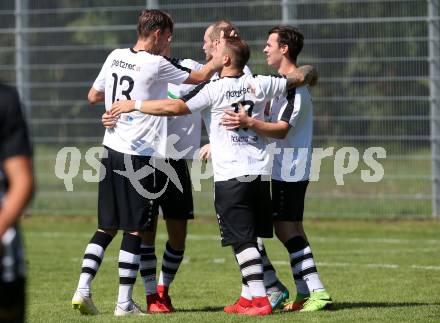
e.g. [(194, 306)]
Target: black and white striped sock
[(303, 266), (92, 260), (270, 274), (245, 292), (147, 268), (249, 260), (170, 264), (129, 258)]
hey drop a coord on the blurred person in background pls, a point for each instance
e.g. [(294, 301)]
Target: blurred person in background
[(16, 187)]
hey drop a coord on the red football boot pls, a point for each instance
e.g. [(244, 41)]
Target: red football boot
[(260, 306), (239, 306), (165, 299), (154, 305)]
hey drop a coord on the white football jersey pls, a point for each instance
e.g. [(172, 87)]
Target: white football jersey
[(239, 152), (188, 127), (293, 163), (130, 75)]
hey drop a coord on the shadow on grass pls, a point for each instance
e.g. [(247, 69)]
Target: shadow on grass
[(201, 310), (350, 305), (335, 307)]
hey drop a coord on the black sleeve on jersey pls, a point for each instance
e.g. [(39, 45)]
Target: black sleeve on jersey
[(194, 91), (175, 62), (14, 139), (287, 113)]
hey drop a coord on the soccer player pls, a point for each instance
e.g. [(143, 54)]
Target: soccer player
[(16, 187), (239, 159), (139, 73), (291, 124), (211, 39), (276, 291)]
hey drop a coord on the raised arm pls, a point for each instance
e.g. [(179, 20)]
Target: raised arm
[(208, 70), (204, 74), (166, 107)]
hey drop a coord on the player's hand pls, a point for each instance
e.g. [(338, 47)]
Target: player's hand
[(205, 152), (231, 33), (122, 107), (233, 120), (108, 120)]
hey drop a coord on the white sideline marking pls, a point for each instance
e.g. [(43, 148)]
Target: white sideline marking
[(187, 260), (426, 267), (334, 264), (206, 237), (392, 266), (194, 237), (375, 240), (341, 264), (346, 264), (280, 262)]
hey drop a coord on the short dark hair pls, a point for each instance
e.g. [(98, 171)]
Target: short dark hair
[(239, 51), (149, 20), (221, 25), (290, 36)]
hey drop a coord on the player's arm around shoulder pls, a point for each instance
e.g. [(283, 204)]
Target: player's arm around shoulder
[(233, 120), (165, 107), (191, 64), (304, 75), (204, 74)]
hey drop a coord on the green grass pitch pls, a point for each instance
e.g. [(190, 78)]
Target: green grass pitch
[(376, 271)]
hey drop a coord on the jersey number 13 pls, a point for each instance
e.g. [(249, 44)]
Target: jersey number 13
[(124, 78)]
